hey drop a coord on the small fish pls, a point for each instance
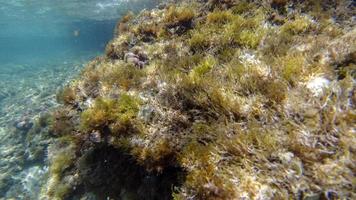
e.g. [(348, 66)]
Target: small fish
[(76, 33)]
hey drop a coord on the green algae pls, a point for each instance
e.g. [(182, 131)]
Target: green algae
[(176, 16), (66, 96), (296, 26), (105, 112), (220, 17)]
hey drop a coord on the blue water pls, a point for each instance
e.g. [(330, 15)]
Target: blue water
[(26, 48), (38, 31), (43, 45), (24, 41)]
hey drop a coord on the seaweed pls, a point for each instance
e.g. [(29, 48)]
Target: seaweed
[(176, 16), (292, 67), (61, 122), (220, 17), (297, 26), (66, 96), (118, 114), (125, 76), (122, 25), (199, 42)]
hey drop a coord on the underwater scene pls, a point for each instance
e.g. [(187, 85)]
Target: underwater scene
[(177, 99), (43, 45)]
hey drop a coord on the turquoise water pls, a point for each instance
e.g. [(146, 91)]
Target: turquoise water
[(43, 45)]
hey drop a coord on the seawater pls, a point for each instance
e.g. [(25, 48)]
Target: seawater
[(43, 45)]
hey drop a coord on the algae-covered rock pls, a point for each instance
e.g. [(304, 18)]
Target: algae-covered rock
[(213, 100)]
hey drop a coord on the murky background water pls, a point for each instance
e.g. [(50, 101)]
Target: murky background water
[(43, 44)]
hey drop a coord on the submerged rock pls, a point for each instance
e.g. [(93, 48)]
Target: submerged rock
[(95, 137), (233, 104), (139, 60), (24, 125), (318, 85), (32, 180), (146, 113)]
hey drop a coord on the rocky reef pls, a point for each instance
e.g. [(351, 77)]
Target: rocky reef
[(218, 99)]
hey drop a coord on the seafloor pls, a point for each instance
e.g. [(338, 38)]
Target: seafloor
[(218, 99), (26, 93)]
